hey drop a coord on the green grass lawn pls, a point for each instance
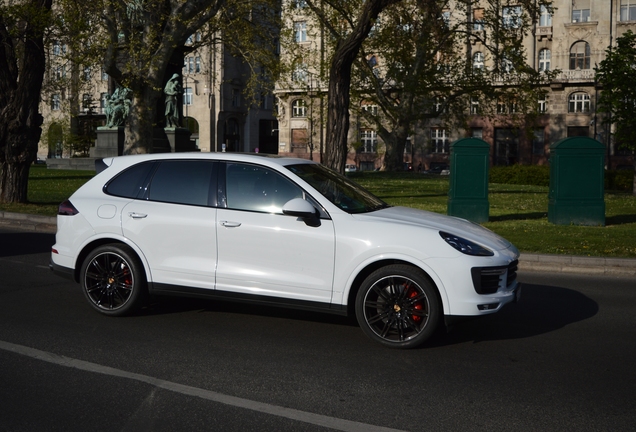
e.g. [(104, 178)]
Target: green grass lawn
[(519, 213)]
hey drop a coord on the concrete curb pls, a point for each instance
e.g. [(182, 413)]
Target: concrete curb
[(527, 262), (29, 222)]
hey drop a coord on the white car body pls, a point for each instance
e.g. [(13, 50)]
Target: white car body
[(275, 258)]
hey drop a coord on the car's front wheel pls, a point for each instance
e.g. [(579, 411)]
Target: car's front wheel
[(398, 306), (113, 280)]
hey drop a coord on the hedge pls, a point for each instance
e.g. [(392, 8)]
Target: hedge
[(616, 180)]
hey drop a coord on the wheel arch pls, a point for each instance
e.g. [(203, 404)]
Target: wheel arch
[(95, 243), (373, 266)]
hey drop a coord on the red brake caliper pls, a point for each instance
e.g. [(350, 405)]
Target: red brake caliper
[(417, 306)]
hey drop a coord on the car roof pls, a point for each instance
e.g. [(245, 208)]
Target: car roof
[(260, 158)]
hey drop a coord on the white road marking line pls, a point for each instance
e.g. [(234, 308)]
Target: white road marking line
[(289, 413)]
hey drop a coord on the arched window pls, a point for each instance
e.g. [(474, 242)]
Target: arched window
[(299, 108), (478, 60), (580, 55), (544, 60), (579, 102)]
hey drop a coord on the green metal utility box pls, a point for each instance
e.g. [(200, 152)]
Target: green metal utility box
[(577, 182), (468, 193)]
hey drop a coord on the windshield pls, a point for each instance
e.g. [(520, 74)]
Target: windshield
[(338, 189)]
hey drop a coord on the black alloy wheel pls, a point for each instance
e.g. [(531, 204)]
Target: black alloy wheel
[(398, 306), (113, 280)]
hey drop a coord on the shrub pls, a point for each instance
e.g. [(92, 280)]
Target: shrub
[(615, 180), (619, 180), (521, 175)]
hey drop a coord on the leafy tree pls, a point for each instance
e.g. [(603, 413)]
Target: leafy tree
[(146, 39), (418, 66), (23, 25), (617, 74), (347, 23), (414, 61)]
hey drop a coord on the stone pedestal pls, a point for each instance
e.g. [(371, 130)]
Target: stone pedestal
[(179, 140), (109, 142)]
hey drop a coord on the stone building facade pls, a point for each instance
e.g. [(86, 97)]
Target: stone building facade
[(572, 38)]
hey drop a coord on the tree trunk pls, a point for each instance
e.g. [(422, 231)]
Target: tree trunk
[(21, 74), (336, 147), (395, 144), (139, 128)]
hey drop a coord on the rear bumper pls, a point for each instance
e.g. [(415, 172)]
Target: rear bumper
[(65, 272)]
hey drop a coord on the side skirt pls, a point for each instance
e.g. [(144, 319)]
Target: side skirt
[(202, 293)]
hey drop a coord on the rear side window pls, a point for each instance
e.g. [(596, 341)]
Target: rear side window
[(131, 182), (182, 182)]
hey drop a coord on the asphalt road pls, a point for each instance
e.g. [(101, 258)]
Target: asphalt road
[(562, 359)]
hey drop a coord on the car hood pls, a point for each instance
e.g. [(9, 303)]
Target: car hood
[(452, 225)]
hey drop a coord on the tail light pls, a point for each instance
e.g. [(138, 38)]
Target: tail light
[(67, 209)]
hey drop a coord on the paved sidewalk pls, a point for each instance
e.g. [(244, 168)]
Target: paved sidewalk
[(527, 262)]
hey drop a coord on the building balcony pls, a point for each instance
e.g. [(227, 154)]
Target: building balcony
[(575, 76), (544, 32)]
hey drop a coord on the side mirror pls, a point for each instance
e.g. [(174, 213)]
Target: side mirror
[(302, 209)]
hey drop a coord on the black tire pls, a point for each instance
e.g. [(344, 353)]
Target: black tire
[(113, 280), (398, 306)]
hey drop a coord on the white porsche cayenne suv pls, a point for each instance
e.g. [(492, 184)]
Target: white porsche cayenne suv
[(275, 231)]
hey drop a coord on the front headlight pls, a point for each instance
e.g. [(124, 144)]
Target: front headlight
[(465, 246)]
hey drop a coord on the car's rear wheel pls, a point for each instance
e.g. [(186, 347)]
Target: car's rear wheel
[(113, 280), (398, 306)]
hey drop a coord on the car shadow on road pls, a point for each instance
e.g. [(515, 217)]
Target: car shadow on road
[(169, 305), (542, 309), (25, 243)]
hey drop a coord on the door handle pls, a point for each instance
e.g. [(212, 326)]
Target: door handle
[(229, 224), (137, 215)]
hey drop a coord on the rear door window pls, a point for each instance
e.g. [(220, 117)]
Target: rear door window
[(130, 183), (183, 182)]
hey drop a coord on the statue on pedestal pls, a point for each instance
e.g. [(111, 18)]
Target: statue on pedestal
[(118, 107), (172, 91)]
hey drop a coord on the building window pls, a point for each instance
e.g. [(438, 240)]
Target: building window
[(507, 106), (446, 17), (59, 72), (187, 96), (628, 10), (478, 61), (580, 55), (543, 105), (55, 102), (87, 73), (236, 98), (300, 4), (369, 140), (512, 16), (579, 103), (506, 65), (300, 73), (103, 102), (439, 140), (197, 64), (299, 108), (104, 75), (580, 10), (544, 60), (538, 142), (439, 105), (87, 102), (474, 105), (371, 109), (478, 20), (545, 17), (300, 31)]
